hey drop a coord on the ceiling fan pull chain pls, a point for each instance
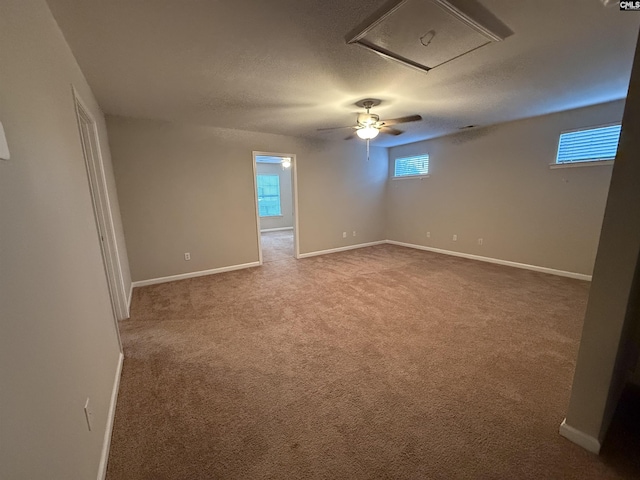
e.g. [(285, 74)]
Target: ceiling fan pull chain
[(367, 149)]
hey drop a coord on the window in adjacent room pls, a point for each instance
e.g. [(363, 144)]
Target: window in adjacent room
[(269, 195), (416, 166), (588, 145)]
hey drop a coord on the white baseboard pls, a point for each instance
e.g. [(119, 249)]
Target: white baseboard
[(129, 300), (587, 442), (341, 249), (535, 268), (106, 444), (275, 229), (201, 273), (182, 276)]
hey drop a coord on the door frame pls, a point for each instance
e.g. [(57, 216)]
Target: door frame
[(294, 195), (91, 151)]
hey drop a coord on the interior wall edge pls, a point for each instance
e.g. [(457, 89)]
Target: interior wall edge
[(106, 446), (589, 443), (341, 249), (497, 261), (201, 273)]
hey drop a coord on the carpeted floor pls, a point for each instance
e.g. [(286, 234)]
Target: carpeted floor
[(378, 363), (277, 246)]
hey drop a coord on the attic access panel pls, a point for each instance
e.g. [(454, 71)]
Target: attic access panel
[(424, 34)]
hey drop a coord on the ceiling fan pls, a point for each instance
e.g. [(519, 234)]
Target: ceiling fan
[(368, 125)]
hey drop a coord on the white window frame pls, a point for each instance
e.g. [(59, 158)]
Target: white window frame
[(582, 163), (403, 177)]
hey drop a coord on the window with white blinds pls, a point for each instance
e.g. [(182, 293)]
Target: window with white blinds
[(589, 145), (269, 196), (411, 166)]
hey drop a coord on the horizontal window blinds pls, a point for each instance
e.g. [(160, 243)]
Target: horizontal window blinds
[(411, 166), (269, 195), (589, 145)]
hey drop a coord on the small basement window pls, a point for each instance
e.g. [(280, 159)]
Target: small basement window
[(588, 145), (416, 166)]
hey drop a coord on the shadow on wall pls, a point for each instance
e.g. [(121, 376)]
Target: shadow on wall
[(622, 444)]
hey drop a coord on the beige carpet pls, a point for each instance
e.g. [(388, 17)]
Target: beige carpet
[(378, 363), (277, 246)]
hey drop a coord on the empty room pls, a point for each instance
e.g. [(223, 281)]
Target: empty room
[(385, 239)]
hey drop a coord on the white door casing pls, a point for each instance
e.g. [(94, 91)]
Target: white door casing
[(102, 211)]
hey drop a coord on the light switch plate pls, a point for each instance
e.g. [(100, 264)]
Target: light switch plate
[(4, 147)]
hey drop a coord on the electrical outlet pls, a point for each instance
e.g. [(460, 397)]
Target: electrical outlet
[(187, 256), (344, 234), (428, 234), (455, 238), (88, 413), (480, 241), (354, 233)]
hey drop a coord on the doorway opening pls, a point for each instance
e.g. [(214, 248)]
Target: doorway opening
[(275, 179), (102, 213)]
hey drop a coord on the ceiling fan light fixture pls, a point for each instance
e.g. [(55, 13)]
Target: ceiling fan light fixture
[(367, 119), (367, 133), (368, 125)]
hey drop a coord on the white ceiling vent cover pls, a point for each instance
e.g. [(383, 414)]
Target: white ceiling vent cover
[(424, 34)]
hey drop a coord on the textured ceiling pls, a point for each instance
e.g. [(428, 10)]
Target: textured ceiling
[(282, 66)]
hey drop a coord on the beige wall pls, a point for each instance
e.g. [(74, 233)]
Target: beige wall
[(633, 349), (635, 337), (612, 312), (635, 343), (492, 183), (58, 342), (286, 196), (495, 183), (186, 188)]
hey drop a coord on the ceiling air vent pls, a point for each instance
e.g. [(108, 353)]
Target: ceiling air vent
[(425, 34)]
